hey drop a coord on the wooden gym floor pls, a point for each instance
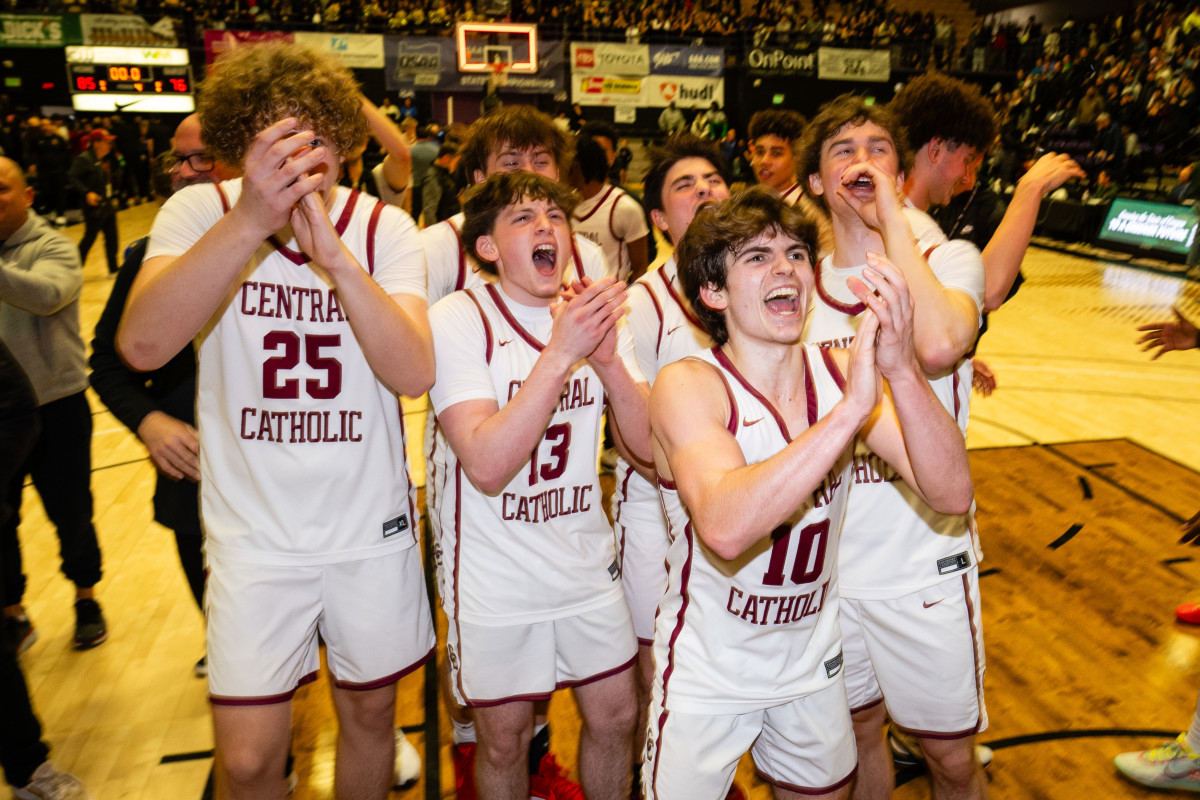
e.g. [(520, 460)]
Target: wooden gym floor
[(1086, 459)]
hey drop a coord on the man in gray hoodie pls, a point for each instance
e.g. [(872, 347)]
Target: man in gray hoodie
[(40, 282)]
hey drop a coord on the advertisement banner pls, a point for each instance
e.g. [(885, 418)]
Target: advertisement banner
[(217, 42), (659, 90), (697, 62), (356, 50), (628, 60), (837, 64), (776, 62), (124, 30), (429, 63), (605, 90), (36, 30)]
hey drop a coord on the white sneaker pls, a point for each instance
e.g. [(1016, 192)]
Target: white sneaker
[(47, 783), (408, 762)]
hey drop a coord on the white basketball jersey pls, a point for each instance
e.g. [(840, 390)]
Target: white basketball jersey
[(664, 330), (542, 548), (600, 220), (302, 449), (449, 269), (738, 636), (792, 194), (893, 542)]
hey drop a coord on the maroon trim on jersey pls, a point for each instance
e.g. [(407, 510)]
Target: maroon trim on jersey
[(955, 383), (621, 495), (687, 312), (784, 194), (975, 648), (511, 320), (224, 199), (865, 706), (432, 492), (927, 253), (372, 225), (487, 326), (810, 390), (576, 259), (458, 479), (379, 683), (342, 223), (516, 698), (835, 371), (266, 700), (461, 280), (837, 305), (666, 484), (685, 575), (599, 676), (596, 207), (791, 787), (724, 361), (659, 313)]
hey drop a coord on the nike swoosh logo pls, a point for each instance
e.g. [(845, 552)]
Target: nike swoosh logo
[(506, 341), (747, 423), (931, 605), (672, 330)]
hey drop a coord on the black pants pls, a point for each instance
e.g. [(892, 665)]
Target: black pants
[(61, 466), (94, 224), (21, 747)]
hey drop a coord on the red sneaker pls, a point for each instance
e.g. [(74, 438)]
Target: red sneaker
[(551, 782), (464, 770), (1188, 612)]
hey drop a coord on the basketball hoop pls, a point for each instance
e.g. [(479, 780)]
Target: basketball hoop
[(499, 76)]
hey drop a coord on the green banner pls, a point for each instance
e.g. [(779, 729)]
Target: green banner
[(38, 30)]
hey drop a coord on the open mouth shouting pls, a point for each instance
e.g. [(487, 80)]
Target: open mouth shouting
[(545, 258), (784, 301)]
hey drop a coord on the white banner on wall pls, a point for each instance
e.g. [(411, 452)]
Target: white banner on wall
[(356, 50), (595, 89), (838, 64), (631, 60), (661, 90)]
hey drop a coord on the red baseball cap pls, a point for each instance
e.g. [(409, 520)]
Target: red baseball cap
[(99, 135)]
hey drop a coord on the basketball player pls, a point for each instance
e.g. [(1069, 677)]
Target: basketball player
[(909, 575), (684, 175), (752, 440), (307, 304), (529, 566), (950, 126), (511, 138), (774, 133), (607, 214)]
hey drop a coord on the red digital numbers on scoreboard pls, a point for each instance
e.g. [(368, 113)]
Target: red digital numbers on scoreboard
[(179, 84), (85, 84)]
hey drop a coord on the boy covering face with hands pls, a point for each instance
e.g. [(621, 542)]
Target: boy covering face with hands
[(307, 303)]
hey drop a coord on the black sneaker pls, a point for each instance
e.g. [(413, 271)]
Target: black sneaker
[(20, 632), (90, 628)]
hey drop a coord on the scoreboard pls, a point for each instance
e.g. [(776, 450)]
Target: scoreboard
[(138, 79)]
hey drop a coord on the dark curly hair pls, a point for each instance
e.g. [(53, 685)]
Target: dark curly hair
[(484, 201), (518, 127), (252, 88), (675, 149), (840, 112), (782, 122), (721, 231), (936, 106)]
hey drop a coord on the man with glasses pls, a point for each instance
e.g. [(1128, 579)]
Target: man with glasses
[(160, 406)]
